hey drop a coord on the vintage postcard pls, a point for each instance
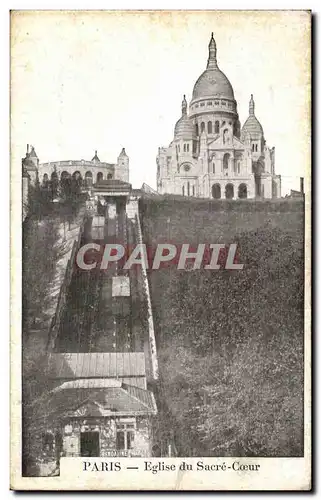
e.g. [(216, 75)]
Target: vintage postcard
[(161, 218)]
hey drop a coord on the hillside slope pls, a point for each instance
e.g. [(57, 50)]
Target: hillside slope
[(230, 343)]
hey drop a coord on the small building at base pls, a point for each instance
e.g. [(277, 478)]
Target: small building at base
[(98, 406)]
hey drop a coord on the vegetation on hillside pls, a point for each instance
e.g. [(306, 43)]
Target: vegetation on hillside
[(230, 343), (42, 248)]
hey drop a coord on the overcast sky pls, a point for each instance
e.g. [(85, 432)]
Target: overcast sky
[(106, 80)]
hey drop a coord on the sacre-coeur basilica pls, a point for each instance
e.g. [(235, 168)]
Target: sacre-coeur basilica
[(211, 155)]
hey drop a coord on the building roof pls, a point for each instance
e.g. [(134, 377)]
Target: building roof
[(184, 128), (212, 82), (112, 185), (96, 365), (123, 153), (95, 158), (72, 399)]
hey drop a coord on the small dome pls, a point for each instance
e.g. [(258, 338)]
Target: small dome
[(184, 128), (252, 126)]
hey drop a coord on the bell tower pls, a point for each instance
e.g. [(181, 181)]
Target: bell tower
[(122, 167)]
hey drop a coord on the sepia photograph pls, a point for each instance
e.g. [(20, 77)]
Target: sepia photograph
[(161, 198)]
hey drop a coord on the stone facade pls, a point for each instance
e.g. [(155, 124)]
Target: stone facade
[(91, 172), (66, 440), (210, 155)]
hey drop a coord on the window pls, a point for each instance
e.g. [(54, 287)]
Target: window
[(210, 103), (193, 190), (183, 190), (256, 147), (196, 129), (213, 167), (209, 127), (202, 127), (226, 158), (217, 127), (125, 435), (188, 193), (238, 167), (202, 104), (229, 191), (242, 191), (216, 191), (187, 147)]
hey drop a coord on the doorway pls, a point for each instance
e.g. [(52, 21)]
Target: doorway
[(89, 444)]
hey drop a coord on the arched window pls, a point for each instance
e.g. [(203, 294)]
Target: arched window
[(183, 190), (99, 177), (253, 145), (216, 191), (88, 178), (202, 127), (193, 190), (64, 175), (209, 127), (184, 148), (226, 158), (256, 147), (229, 191), (196, 128), (234, 129), (213, 167), (242, 191), (188, 187), (217, 127), (109, 176)]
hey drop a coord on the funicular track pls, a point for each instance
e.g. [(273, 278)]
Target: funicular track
[(94, 320)]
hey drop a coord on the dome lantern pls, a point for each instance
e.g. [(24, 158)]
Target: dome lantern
[(251, 106), (212, 61), (184, 106)]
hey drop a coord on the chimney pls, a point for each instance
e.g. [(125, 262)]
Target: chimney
[(302, 185), (27, 149)]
